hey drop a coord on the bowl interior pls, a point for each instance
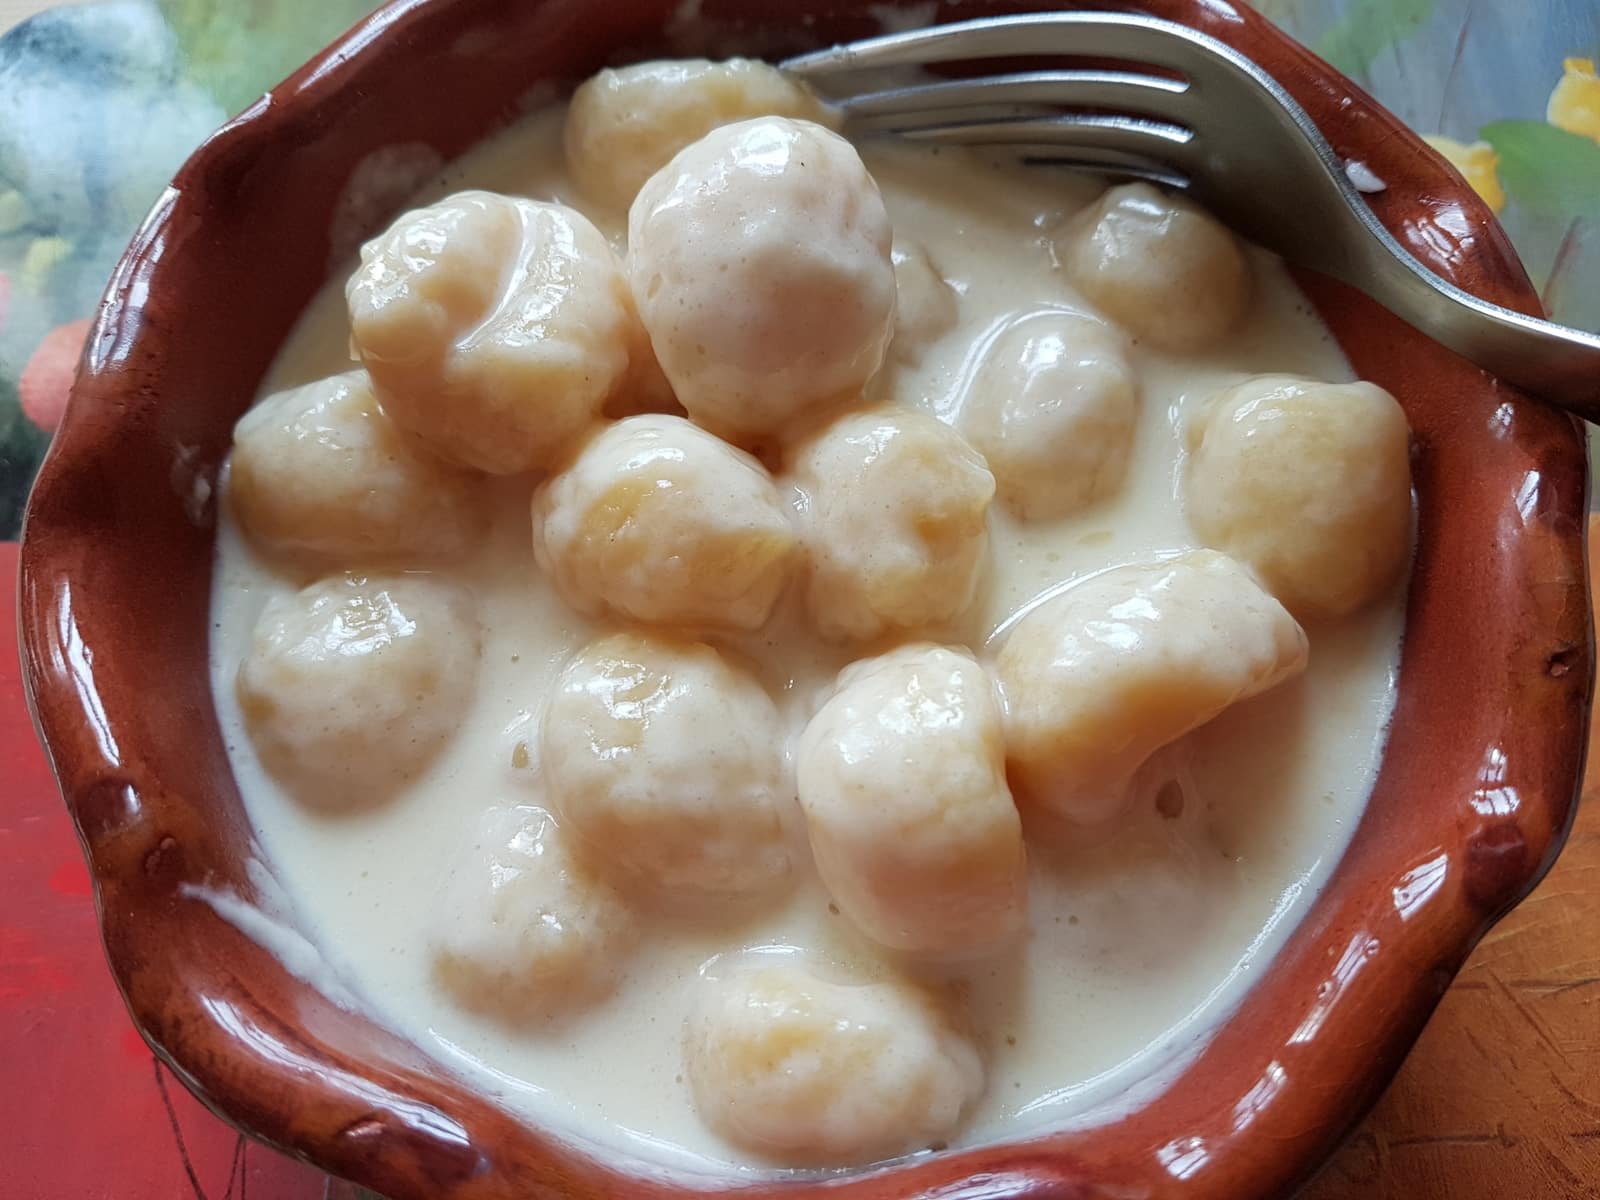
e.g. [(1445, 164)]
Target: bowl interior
[(1473, 799)]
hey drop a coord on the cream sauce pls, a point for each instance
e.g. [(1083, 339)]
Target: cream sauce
[(1135, 949)]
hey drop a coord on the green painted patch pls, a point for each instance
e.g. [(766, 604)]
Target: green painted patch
[(237, 51), (1549, 170), (1369, 27), (22, 447)]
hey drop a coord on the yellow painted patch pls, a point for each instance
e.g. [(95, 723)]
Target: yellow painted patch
[(1478, 164)]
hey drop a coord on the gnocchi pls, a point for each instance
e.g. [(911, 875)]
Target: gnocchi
[(1309, 483), (760, 261), (894, 524), (791, 1066), (318, 472), (659, 522), (926, 306), (668, 763), (522, 930), (1097, 677), (1052, 407), (625, 123), (1160, 267), (902, 779), (766, 705), (494, 328), (353, 684)]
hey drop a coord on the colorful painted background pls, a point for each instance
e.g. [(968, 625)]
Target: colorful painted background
[(100, 103)]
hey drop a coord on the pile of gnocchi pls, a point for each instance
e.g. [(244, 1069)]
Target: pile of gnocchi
[(714, 468)]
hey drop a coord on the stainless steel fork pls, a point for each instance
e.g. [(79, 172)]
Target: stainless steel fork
[(1223, 130)]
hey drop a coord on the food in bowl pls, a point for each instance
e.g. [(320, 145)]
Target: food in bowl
[(832, 706)]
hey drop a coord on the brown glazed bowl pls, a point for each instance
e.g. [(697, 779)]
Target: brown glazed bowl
[(1476, 790)]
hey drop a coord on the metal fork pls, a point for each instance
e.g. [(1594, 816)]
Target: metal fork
[(1222, 130)]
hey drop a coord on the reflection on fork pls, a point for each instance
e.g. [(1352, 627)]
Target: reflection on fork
[(1183, 109)]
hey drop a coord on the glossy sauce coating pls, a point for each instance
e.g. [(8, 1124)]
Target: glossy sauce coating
[(1138, 939)]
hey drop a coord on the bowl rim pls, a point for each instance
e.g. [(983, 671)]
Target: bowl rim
[(1502, 854)]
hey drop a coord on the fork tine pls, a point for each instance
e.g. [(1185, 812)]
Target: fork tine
[(1096, 160), (1049, 91), (1154, 142), (1095, 35)]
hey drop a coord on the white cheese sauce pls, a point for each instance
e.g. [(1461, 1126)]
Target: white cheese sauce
[(1135, 948)]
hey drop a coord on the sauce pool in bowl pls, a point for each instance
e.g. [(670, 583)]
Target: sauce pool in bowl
[(1142, 933)]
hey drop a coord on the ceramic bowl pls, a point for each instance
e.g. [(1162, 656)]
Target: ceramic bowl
[(1474, 798)]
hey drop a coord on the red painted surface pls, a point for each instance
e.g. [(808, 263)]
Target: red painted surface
[(46, 380), (85, 1111)]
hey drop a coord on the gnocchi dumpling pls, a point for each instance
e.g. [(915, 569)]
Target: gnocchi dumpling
[(494, 328), (926, 307), (1169, 273), (522, 929), (319, 472), (1309, 483), (1052, 406), (625, 123), (759, 259), (805, 1071), (1099, 676), (668, 763), (353, 684), (660, 522), (902, 780), (895, 523)]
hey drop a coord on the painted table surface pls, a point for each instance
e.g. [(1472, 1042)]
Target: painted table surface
[(99, 103)]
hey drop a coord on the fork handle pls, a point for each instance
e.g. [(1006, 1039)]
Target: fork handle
[(1553, 363)]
